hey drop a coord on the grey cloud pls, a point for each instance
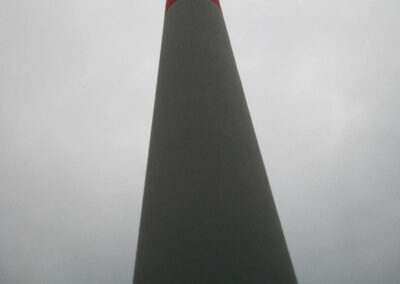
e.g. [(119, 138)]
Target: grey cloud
[(77, 83)]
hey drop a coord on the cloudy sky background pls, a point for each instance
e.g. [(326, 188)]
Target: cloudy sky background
[(77, 84)]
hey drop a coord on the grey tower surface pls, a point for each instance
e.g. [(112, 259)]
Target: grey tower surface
[(208, 213)]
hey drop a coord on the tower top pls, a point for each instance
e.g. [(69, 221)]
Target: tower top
[(171, 2)]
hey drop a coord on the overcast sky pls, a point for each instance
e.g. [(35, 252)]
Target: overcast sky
[(77, 85)]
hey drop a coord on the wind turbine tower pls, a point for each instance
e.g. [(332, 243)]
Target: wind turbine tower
[(208, 214)]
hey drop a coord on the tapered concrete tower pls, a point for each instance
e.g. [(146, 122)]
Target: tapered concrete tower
[(208, 213)]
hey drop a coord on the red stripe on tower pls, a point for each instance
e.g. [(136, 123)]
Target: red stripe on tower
[(217, 2), (170, 2)]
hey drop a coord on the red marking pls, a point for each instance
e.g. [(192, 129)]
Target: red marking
[(217, 2), (170, 2)]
